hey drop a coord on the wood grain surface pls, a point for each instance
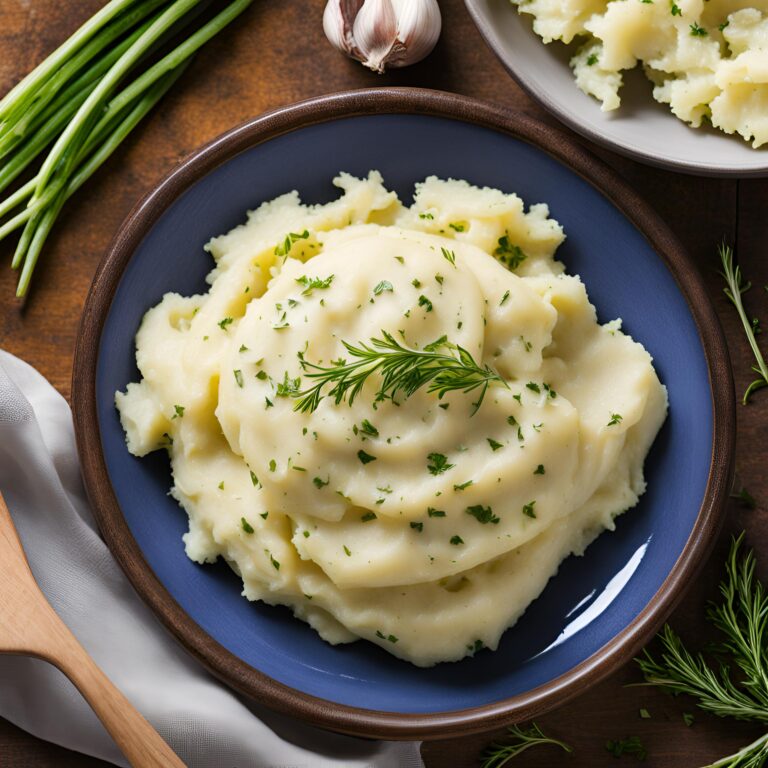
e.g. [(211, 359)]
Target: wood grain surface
[(277, 54)]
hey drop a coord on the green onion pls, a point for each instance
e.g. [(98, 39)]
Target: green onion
[(80, 103)]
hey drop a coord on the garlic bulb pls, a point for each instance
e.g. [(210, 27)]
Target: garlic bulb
[(383, 33)]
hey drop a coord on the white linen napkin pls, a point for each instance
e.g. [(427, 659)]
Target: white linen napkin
[(206, 724)]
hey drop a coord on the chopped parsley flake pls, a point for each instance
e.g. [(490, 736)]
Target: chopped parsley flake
[(495, 445), (482, 514), (432, 512), (384, 285), (179, 411), (629, 746), (417, 527), (368, 516), (275, 563), (347, 550), (400, 258), (261, 375), (243, 348), (238, 378), (319, 482), (456, 540), (425, 302), (698, 31), (225, 322), (272, 465), (551, 392), (439, 278), (675, 9), (528, 510), (510, 255), (288, 387), (539, 470), (438, 463), (426, 216), (306, 534), (311, 283), (364, 457), (267, 403), (533, 386), (264, 515), (591, 59), (462, 486), (390, 638), (457, 226), (368, 429), (282, 249), (416, 283), (616, 418), (246, 526), (254, 479), (504, 299), (221, 485)]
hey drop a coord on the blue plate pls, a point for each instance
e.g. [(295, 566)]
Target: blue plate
[(600, 607)]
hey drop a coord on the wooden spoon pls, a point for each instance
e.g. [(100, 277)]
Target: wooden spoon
[(29, 626)]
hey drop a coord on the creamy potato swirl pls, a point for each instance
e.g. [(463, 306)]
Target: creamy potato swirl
[(423, 523)]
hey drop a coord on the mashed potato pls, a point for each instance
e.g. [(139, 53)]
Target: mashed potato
[(422, 523), (707, 59)]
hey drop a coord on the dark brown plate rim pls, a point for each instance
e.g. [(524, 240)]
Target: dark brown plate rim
[(231, 669)]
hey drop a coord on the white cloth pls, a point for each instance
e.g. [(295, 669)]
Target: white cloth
[(205, 723)]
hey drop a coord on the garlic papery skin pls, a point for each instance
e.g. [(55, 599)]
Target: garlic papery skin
[(383, 33)]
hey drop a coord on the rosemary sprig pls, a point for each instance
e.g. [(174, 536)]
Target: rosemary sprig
[(498, 755), (735, 288), (403, 370), (742, 618)]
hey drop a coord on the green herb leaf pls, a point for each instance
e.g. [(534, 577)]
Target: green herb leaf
[(629, 746), (238, 378), (246, 526), (437, 463), (314, 283), (425, 302), (528, 510), (178, 411), (482, 514), (508, 254), (432, 512), (616, 418), (225, 322), (539, 470), (495, 444), (456, 540), (417, 526), (449, 256), (384, 285), (364, 457), (368, 516), (498, 755)]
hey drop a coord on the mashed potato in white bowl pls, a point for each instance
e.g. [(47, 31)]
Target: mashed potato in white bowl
[(420, 507)]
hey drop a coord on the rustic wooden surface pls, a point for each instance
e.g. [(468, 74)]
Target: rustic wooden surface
[(277, 54)]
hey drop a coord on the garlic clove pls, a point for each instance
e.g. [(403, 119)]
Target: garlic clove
[(375, 32), (338, 18), (419, 24), (383, 33)]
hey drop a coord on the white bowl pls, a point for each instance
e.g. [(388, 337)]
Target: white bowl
[(641, 128)]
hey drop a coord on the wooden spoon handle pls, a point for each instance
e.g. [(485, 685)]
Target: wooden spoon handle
[(137, 739)]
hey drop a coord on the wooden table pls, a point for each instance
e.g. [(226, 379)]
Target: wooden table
[(275, 55)]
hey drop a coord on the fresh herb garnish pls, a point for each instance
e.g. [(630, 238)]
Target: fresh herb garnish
[(629, 746), (734, 289), (539, 470), (456, 540), (616, 418), (384, 285), (498, 755), (740, 617), (318, 482), (246, 526), (437, 463), (288, 387), (504, 299), (417, 527), (314, 283), (449, 256), (432, 512), (254, 479), (698, 31), (402, 370), (389, 638), (225, 322), (495, 444), (178, 411), (591, 59), (675, 9), (364, 457), (368, 516), (507, 253), (284, 248), (482, 514), (462, 486), (457, 226), (528, 509), (238, 378), (533, 386), (425, 302), (275, 563)]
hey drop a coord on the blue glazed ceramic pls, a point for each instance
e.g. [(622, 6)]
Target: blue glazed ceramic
[(600, 607)]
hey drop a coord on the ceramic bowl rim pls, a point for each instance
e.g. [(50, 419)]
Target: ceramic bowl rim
[(236, 672), (552, 105)]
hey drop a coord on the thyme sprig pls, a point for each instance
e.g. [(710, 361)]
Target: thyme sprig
[(402, 369), (736, 286), (742, 619), (498, 755)]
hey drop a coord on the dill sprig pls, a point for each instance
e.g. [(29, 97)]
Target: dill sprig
[(403, 370), (736, 286), (742, 619), (498, 755)]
